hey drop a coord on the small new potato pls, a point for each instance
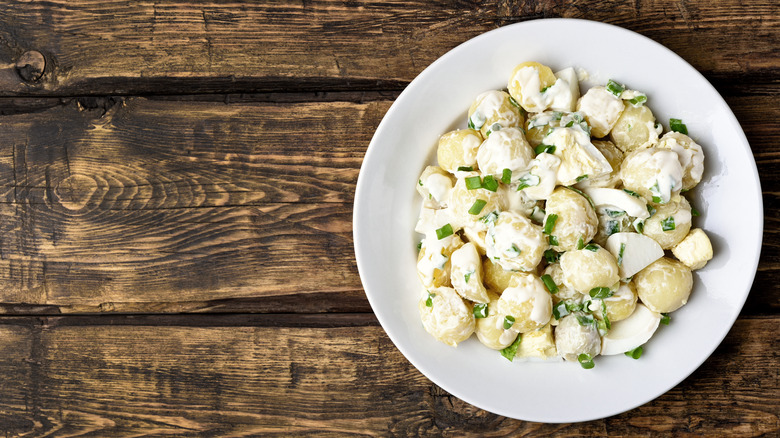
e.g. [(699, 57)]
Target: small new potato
[(614, 157), (634, 129), (490, 330), (537, 343), (565, 292), (458, 149), (601, 109), (576, 219), (526, 83), (504, 149), (690, 154), (620, 305), (494, 110), (653, 173), (588, 268), (466, 273), (435, 185), (527, 301), (496, 277), (540, 124), (462, 199), (514, 242), (433, 260), (573, 339), (665, 285), (670, 223), (448, 318), (695, 250)]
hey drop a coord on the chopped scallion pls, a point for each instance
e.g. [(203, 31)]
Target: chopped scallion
[(549, 223), (509, 321), (600, 293), (465, 169), (639, 226), (632, 193), (668, 224), (477, 207), (585, 320), (651, 209), (665, 319), (490, 183), (514, 102), (510, 351), (560, 310), (677, 125), (528, 180), (614, 213), (615, 88), (612, 227), (493, 128), (444, 231), (473, 182), (551, 256), (581, 193), (480, 310), (605, 315), (506, 176), (586, 361), (550, 284), (489, 218), (429, 301), (552, 240), (467, 276), (620, 254), (695, 212), (581, 177), (636, 353), (580, 243), (639, 100), (419, 181), (591, 247), (545, 148)]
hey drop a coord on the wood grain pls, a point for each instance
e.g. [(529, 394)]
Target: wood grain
[(76, 376), (128, 47)]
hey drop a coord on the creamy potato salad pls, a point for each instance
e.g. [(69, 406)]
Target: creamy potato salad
[(556, 224)]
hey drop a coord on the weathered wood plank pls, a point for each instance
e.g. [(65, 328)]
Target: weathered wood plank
[(237, 380), (154, 201), (129, 47)]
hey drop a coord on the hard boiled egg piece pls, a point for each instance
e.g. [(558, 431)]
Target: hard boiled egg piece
[(633, 251), (631, 332)]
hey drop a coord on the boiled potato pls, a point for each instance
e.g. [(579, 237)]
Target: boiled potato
[(514, 242), (614, 158), (462, 199), (541, 124), (526, 83), (690, 155), (497, 278), (494, 110), (504, 149), (654, 173), (447, 318), (670, 223), (601, 109), (490, 330), (565, 292), (665, 285), (620, 305), (466, 274), (695, 250), (573, 338), (634, 129), (588, 268), (433, 260), (458, 149), (537, 343), (611, 221), (526, 302), (576, 219), (435, 185)]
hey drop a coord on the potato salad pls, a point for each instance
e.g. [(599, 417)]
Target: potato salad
[(556, 224)]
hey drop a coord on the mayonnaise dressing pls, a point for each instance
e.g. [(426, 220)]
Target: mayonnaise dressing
[(545, 166), (439, 186), (558, 95), (533, 292)]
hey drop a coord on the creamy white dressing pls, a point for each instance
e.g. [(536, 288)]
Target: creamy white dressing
[(670, 174), (534, 100), (491, 103), (545, 166), (691, 158), (507, 336), (439, 186), (535, 294), (506, 244), (602, 108), (504, 149), (578, 155)]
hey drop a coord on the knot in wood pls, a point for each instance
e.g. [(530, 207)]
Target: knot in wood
[(75, 191), (31, 65)]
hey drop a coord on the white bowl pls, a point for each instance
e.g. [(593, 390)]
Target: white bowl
[(386, 206)]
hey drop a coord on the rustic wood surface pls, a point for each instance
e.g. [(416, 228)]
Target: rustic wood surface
[(176, 187)]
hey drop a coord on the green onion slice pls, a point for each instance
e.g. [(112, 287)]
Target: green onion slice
[(591, 247), (550, 284), (514, 102), (665, 319), (586, 361), (581, 193), (600, 292), (604, 314), (614, 213), (695, 212), (639, 226), (545, 148), (419, 245), (549, 223), (636, 353), (615, 88), (620, 254), (632, 193), (639, 100), (560, 310), (477, 207), (467, 277), (429, 301), (490, 183), (528, 180), (444, 231), (668, 224), (551, 256), (506, 176), (465, 169), (651, 209), (473, 183), (509, 321), (581, 177), (580, 243), (585, 320), (480, 310), (552, 240), (489, 218), (612, 227), (677, 125), (510, 351)]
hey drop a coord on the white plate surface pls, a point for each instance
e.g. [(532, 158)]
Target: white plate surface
[(387, 204)]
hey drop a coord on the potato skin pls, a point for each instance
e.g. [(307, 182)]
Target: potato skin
[(665, 285), (576, 218)]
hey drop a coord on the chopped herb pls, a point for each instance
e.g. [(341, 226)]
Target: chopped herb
[(528, 180), (581, 193), (639, 100), (489, 218), (430, 196), (560, 310), (614, 213), (419, 181), (615, 88), (480, 310), (557, 115), (514, 103), (509, 321), (656, 192), (612, 227), (570, 124), (677, 125), (476, 120), (490, 183), (419, 245), (551, 256), (639, 226), (510, 351), (665, 319), (444, 231), (580, 243), (506, 176), (651, 209), (477, 207), (471, 124), (552, 240), (581, 177), (632, 193), (545, 148), (592, 247), (586, 361), (514, 251), (605, 315), (537, 215), (695, 212), (549, 223), (600, 293), (465, 169), (550, 284), (494, 127), (585, 320), (473, 183), (620, 254), (429, 301), (668, 224), (545, 89), (467, 277), (636, 353)]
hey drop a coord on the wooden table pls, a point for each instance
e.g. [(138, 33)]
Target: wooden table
[(177, 182)]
